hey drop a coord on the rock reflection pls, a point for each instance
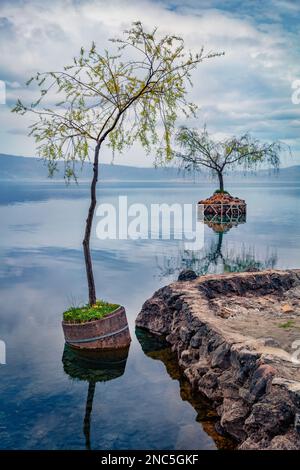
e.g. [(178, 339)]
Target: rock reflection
[(93, 367), (215, 259), (157, 348)]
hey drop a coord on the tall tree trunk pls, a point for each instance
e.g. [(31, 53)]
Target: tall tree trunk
[(88, 228), (221, 182)]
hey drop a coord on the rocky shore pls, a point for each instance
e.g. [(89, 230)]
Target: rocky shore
[(236, 338)]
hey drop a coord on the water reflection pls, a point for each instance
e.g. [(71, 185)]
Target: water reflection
[(42, 270), (214, 258), (158, 349), (93, 367)]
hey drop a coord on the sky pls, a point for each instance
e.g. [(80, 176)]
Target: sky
[(249, 89)]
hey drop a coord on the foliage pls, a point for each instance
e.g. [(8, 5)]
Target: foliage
[(115, 97), (199, 150), (286, 325), (125, 96), (219, 191), (88, 313)]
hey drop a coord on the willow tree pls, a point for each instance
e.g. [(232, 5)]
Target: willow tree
[(198, 150), (133, 94)]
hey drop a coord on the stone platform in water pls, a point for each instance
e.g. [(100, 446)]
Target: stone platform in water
[(237, 338), (223, 206)]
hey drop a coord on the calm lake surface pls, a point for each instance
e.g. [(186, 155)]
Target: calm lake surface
[(142, 402)]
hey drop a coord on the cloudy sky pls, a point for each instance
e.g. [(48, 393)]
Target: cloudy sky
[(247, 90)]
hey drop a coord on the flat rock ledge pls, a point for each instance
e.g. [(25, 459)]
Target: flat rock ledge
[(235, 336)]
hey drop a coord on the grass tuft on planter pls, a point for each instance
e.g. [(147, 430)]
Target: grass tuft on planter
[(219, 191), (89, 312)]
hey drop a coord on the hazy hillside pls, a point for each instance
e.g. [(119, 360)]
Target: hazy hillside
[(21, 168), (14, 168)]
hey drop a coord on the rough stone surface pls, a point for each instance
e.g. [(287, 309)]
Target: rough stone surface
[(224, 205), (187, 275), (235, 338)]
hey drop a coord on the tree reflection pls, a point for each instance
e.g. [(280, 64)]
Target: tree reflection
[(93, 367), (214, 258)]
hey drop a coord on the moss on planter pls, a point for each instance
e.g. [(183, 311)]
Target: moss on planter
[(89, 312), (219, 191)]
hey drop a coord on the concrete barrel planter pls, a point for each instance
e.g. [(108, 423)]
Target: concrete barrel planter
[(109, 332)]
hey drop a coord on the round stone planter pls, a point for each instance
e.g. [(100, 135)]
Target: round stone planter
[(110, 332), (224, 207)]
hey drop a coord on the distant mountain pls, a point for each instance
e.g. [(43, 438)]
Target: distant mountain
[(17, 168), (286, 174), (27, 168)]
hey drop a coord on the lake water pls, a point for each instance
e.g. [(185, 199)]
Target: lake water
[(143, 403)]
